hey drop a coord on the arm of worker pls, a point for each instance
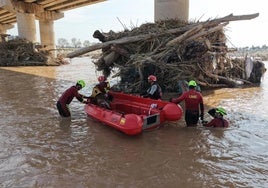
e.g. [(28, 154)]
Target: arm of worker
[(178, 100), (82, 98)]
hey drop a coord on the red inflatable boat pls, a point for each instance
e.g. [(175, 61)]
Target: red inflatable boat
[(132, 114)]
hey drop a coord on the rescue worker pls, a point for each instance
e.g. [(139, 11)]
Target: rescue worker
[(193, 104), (218, 120), (100, 93), (154, 91), (67, 97)]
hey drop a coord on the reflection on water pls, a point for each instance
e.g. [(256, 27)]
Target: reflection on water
[(40, 149)]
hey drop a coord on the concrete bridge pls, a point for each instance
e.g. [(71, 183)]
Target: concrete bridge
[(26, 12)]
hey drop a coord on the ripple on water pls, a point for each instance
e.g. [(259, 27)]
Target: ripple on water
[(39, 149)]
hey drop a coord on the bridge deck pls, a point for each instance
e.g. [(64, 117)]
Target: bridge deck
[(8, 15)]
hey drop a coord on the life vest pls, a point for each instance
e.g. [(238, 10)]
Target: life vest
[(102, 87), (158, 93)]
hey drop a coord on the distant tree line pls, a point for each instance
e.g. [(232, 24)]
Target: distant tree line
[(253, 51), (253, 48), (74, 43)]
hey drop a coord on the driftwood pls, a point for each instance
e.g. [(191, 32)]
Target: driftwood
[(110, 58), (173, 51), (207, 32), (120, 50), (185, 35), (20, 52), (228, 18)]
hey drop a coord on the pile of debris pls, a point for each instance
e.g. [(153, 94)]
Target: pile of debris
[(20, 52), (173, 50)]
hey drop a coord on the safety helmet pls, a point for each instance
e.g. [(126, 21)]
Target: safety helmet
[(192, 83), (152, 77), (221, 111), (81, 83), (101, 78)]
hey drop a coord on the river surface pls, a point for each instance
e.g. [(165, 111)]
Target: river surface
[(39, 149)]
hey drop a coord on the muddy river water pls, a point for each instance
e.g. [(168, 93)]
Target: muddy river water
[(38, 149)]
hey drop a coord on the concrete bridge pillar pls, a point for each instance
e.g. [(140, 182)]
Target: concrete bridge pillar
[(26, 26), (171, 9), (46, 27), (47, 35)]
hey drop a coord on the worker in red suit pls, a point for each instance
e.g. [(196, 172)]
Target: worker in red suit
[(193, 104), (218, 120), (67, 97)]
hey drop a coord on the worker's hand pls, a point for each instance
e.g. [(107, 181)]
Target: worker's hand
[(86, 101), (172, 100)]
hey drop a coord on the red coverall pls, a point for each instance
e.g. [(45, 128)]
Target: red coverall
[(193, 99), (66, 98), (217, 122)]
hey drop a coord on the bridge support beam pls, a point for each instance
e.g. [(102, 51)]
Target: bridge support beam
[(26, 26), (171, 9)]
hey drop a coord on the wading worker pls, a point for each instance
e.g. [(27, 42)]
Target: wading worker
[(193, 100), (218, 120), (67, 97)]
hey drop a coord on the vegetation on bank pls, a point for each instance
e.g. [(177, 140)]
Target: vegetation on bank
[(257, 52)]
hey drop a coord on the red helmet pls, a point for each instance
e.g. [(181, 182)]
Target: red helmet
[(101, 78), (152, 77)]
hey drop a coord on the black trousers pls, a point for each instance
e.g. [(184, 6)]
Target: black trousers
[(191, 117), (63, 109)]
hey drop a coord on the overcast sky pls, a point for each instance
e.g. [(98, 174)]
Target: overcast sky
[(117, 14)]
